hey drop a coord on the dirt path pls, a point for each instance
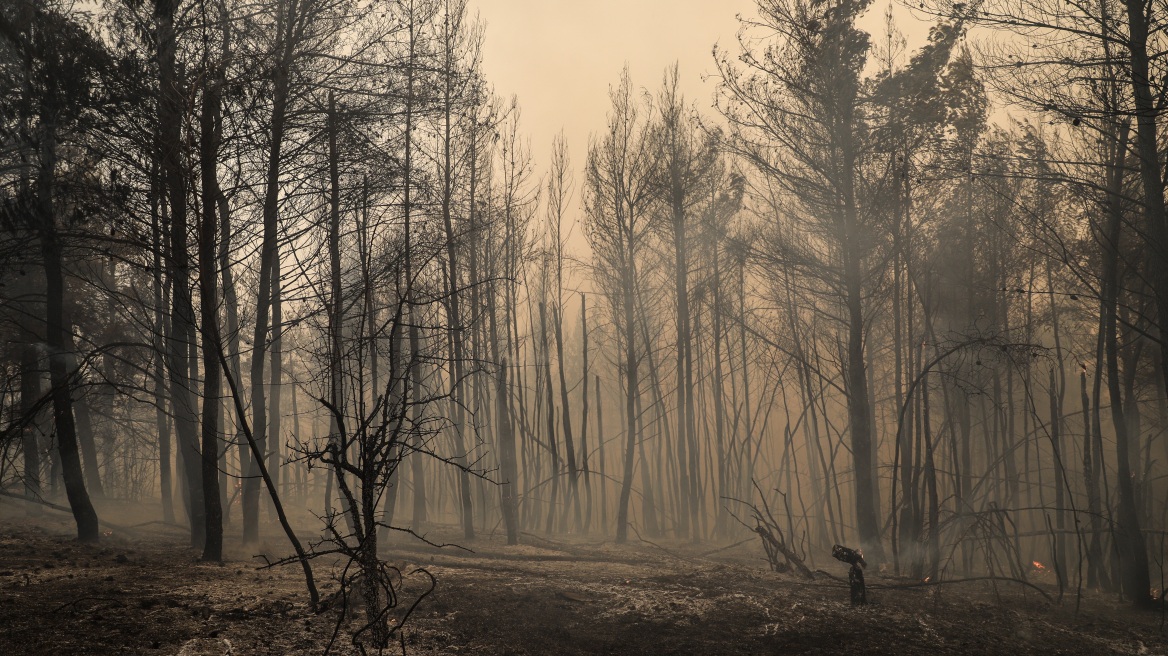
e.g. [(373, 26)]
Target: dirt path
[(144, 592)]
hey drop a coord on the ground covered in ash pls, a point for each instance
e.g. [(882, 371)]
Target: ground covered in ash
[(143, 591)]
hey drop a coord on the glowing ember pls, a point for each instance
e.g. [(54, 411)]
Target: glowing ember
[(1039, 566)]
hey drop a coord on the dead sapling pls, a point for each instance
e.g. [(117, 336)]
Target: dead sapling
[(855, 558), (781, 555)]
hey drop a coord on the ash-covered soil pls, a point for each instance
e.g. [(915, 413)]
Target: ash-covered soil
[(143, 591)]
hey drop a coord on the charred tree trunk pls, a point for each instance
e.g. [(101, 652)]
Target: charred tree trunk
[(550, 414), (859, 414), (566, 415), (509, 485), (58, 341), (30, 398), (458, 347), (83, 415), (631, 363), (209, 308), (286, 21), (182, 321), (417, 470), (584, 411), (276, 388), (1133, 559), (158, 372)]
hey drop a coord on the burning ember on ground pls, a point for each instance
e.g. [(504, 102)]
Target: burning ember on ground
[(1038, 567)]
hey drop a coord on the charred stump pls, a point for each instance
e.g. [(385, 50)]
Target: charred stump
[(855, 558)]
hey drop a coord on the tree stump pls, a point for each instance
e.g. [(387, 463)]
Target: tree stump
[(855, 558)]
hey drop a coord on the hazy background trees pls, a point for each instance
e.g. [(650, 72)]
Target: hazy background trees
[(297, 265)]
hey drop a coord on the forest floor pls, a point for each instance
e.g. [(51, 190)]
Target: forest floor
[(142, 590)]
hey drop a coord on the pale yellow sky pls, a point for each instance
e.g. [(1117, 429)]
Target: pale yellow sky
[(560, 56)]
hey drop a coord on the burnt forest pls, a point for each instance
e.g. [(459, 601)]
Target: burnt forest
[(501, 327)]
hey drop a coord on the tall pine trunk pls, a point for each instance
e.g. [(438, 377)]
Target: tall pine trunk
[(182, 321), (209, 309), (58, 341), (269, 252)]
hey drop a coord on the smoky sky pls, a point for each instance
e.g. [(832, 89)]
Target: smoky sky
[(559, 57)]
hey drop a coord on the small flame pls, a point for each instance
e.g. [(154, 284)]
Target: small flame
[(107, 533), (927, 578), (1038, 566)]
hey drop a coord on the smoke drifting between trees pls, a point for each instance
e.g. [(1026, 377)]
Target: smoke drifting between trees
[(291, 262)]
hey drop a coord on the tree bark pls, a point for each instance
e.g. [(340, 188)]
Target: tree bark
[(1133, 558), (631, 388), (209, 309), (58, 341), (286, 20), (170, 112), (30, 398)]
